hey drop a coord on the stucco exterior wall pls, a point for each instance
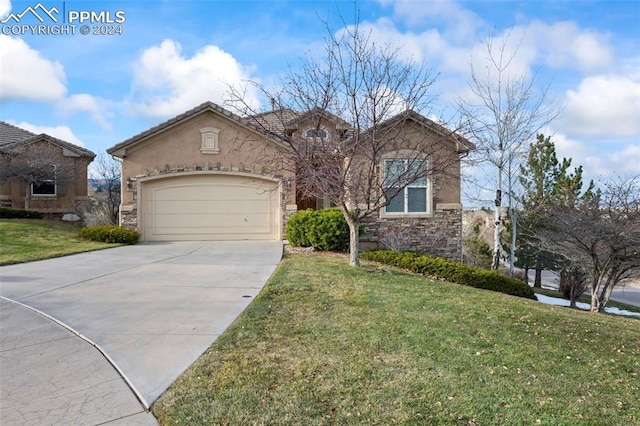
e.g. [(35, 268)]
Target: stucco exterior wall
[(178, 150), (439, 231)]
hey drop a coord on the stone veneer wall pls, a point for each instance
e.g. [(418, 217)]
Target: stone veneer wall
[(440, 234)]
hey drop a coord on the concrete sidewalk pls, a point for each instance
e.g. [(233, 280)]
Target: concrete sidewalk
[(153, 308)]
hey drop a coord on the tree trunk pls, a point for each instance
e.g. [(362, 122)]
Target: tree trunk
[(354, 240), (595, 302), (605, 294), (514, 229), (537, 282), (495, 264), (572, 293), (526, 275), (496, 230)]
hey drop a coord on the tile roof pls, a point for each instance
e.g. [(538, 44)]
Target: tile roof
[(275, 121), (464, 145), (206, 106), (12, 136)]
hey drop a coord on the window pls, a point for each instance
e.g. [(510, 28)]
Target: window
[(47, 181), (209, 140), (413, 197), (316, 133), (47, 187)]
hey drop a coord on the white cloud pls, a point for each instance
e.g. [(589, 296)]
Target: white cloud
[(86, 103), (625, 160), (603, 106), (27, 75), (5, 8), (461, 24), (167, 83), (567, 147), (61, 132), (565, 45), (598, 159)]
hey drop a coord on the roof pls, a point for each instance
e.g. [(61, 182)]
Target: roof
[(13, 136), (464, 145), (274, 124), (321, 114), (273, 121), (120, 148)]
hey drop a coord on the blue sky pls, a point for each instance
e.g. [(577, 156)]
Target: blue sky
[(98, 90)]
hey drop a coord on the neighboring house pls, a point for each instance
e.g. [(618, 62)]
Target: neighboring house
[(209, 174), (40, 172)]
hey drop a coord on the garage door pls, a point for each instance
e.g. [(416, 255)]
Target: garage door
[(209, 207)]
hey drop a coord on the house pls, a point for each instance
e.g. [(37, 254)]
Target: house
[(209, 174), (40, 172)]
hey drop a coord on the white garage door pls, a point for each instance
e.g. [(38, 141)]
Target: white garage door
[(209, 207)]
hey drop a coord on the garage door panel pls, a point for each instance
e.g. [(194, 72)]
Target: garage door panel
[(212, 191), (207, 220), (210, 207), (225, 232)]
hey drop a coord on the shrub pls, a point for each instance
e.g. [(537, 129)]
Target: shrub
[(7, 213), (454, 272), (297, 228), (110, 234), (321, 229)]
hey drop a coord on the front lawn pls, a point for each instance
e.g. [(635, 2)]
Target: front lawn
[(26, 240), (328, 344)]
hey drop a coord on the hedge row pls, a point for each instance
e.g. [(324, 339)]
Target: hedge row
[(110, 234), (7, 213), (450, 271), (321, 229)]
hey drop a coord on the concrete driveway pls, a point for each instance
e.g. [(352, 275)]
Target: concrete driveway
[(97, 337)]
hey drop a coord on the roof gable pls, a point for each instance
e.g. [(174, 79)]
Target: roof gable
[(463, 145), (120, 149), (12, 137), (317, 114)]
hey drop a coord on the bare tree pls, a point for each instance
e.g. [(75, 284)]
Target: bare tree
[(600, 236), (106, 171), (40, 167), (506, 112), (379, 145)]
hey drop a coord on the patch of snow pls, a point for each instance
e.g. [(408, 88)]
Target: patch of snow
[(563, 302)]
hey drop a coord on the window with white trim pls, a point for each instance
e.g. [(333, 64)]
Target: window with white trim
[(413, 197), (47, 186), (209, 140)]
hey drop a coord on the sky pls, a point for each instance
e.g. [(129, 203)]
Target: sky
[(158, 59)]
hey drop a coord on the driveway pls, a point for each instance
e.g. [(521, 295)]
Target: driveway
[(97, 337)]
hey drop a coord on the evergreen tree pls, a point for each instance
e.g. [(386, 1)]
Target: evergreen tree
[(545, 180)]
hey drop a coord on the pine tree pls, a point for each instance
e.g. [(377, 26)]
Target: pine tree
[(544, 180)]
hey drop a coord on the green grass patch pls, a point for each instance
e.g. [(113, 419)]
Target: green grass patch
[(328, 344), (26, 240)]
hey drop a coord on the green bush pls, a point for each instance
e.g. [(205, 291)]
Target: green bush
[(450, 271), (7, 213), (110, 234), (321, 229), (297, 228)]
